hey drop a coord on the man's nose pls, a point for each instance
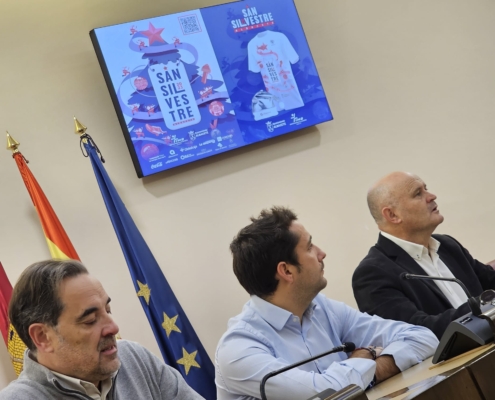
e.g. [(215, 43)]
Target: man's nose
[(431, 196), (322, 254), (111, 327)]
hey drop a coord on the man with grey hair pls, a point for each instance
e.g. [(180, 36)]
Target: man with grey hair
[(407, 215), (63, 316)]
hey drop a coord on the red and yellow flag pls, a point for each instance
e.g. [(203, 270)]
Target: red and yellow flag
[(59, 243)]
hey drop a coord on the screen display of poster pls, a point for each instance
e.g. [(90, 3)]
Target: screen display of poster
[(191, 85)]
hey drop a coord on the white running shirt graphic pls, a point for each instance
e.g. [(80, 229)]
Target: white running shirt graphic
[(272, 54)]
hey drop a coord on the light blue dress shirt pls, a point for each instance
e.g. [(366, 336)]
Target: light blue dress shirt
[(264, 338)]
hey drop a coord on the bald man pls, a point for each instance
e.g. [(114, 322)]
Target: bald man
[(407, 215)]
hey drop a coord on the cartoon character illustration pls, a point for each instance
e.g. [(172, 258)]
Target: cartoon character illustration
[(133, 30), (206, 92), (151, 109), (139, 132), (134, 108), (125, 71), (155, 130)]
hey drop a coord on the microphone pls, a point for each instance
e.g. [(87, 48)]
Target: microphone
[(473, 303), (345, 347)]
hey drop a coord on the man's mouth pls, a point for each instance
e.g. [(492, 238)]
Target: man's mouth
[(109, 348)]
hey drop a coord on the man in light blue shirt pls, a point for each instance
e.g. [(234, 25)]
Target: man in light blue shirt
[(287, 320)]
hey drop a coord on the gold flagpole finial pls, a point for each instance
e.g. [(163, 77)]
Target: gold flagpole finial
[(12, 144), (80, 128)]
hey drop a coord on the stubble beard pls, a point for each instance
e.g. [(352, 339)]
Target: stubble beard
[(103, 370)]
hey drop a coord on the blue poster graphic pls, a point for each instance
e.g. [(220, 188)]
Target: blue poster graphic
[(194, 84), (267, 66)]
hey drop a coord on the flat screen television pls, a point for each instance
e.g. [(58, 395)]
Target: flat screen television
[(191, 85)]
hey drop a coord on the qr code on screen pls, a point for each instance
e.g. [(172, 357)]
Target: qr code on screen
[(189, 24)]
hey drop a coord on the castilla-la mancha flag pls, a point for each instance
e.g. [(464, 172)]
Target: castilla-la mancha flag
[(5, 295), (14, 344)]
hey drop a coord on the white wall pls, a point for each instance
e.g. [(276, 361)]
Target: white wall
[(411, 85)]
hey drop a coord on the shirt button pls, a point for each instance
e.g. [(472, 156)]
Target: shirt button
[(294, 319)]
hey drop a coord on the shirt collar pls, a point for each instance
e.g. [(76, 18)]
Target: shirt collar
[(86, 387), (413, 249), (274, 315)]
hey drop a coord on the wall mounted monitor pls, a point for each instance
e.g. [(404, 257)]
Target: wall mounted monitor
[(195, 84)]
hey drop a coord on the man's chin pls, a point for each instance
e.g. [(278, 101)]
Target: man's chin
[(109, 368), (437, 219)]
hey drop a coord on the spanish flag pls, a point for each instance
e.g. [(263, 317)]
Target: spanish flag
[(58, 242)]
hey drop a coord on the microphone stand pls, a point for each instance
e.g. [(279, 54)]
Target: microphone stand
[(346, 347), (464, 333), (473, 303)]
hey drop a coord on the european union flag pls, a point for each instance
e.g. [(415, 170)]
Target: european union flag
[(174, 333)]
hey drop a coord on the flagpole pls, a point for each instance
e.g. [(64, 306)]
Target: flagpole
[(178, 342)]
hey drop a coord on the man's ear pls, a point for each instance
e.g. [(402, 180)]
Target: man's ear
[(42, 337), (284, 272), (390, 216)]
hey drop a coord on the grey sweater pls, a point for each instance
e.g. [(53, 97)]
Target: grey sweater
[(142, 376)]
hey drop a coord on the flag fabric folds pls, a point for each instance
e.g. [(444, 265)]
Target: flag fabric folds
[(15, 345), (178, 342), (5, 295), (58, 242)]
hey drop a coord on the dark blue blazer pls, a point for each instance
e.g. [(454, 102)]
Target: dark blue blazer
[(379, 290)]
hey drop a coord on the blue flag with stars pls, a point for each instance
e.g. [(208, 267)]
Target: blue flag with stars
[(178, 342)]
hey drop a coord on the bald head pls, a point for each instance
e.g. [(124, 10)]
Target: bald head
[(387, 193), (402, 206)]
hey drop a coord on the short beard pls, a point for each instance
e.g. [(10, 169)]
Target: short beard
[(98, 374)]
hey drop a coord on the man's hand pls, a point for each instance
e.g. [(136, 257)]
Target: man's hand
[(385, 368)]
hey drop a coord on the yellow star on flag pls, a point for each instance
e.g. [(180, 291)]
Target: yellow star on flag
[(169, 324), (188, 360), (144, 291)]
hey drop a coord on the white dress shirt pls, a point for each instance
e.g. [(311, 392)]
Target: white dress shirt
[(428, 259)]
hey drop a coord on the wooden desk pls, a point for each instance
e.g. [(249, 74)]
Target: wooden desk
[(459, 376), (481, 369)]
